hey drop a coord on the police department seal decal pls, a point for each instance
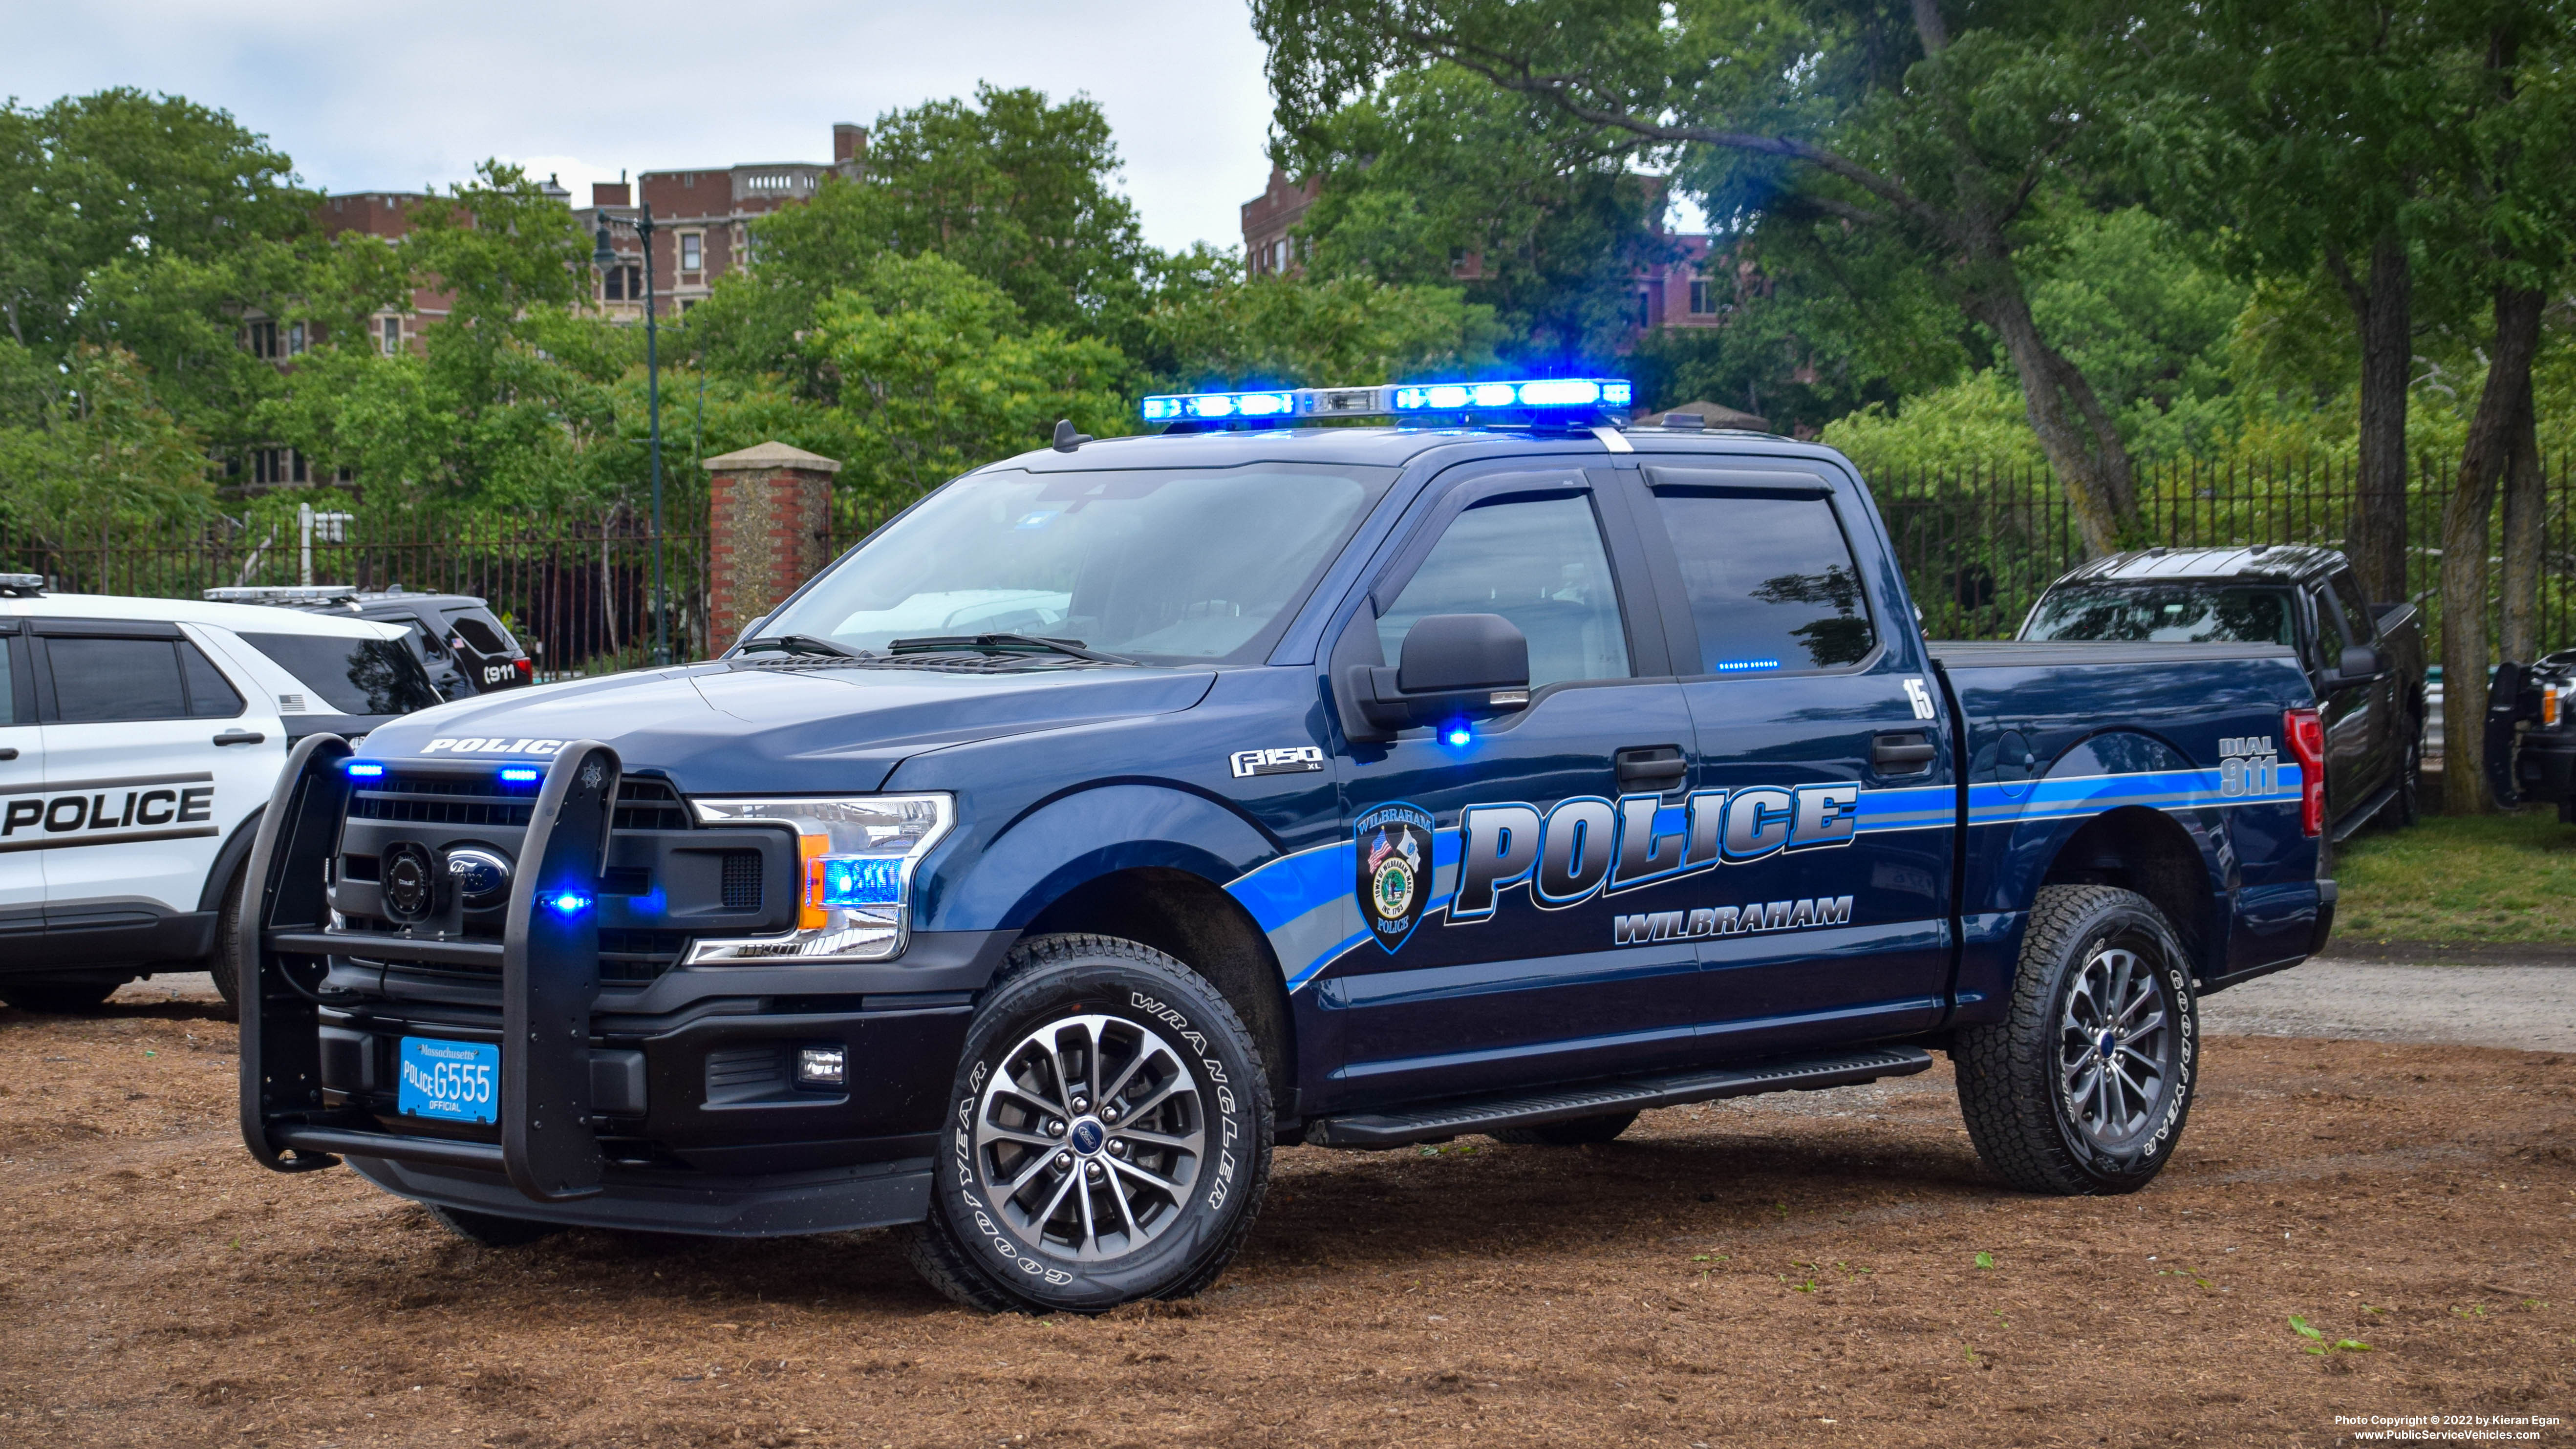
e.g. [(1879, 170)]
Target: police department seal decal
[(1394, 856)]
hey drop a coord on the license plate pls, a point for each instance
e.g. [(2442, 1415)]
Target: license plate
[(450, 1081)]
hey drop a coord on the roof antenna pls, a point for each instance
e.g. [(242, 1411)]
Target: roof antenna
[(1066, 439)]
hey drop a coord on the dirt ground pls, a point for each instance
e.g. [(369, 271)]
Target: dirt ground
[(1826, 1269)]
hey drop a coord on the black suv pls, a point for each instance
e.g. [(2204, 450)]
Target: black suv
[(466, 650)]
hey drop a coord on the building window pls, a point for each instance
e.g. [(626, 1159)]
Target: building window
[(1645, 318), (389, 334), (622, 284), (294, 339), (691, 251), (263, 339), (1703, 299)]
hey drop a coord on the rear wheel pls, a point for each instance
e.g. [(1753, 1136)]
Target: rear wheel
[(2407, 808), (58, 998), (1109, 1136), (491, 1229), (1581, 1132), (2085, 1087)]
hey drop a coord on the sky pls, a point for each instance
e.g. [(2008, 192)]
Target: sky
[(393, 95)]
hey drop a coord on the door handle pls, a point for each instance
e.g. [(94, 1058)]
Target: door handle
[(1660, 766), (8, 752), (1905, 754), (241, 737)]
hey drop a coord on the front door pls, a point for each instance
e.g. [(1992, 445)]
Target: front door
[(1486, 858), (152, 757), (1822, 812), (2361, 717)]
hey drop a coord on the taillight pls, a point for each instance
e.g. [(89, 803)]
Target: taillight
[(527, 667), (2549, 707), (2307, 735)]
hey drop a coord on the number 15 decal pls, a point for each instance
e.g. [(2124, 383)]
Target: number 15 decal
[(1921, 696)]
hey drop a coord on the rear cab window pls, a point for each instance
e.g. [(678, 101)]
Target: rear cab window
[(2166, 614)]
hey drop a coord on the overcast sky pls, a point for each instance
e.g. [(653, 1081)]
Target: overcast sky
[(395, 95)]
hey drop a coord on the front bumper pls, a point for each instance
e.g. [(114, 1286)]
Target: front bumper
[(672, 1106)]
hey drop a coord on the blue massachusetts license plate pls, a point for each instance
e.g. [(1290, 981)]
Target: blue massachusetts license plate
[(451, 1081)]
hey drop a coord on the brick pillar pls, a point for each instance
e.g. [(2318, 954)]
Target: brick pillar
[(769, 527)]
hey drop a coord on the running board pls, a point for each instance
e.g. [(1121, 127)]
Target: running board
[(1374, 1130)]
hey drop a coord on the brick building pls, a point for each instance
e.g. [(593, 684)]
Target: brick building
[(702, 220)]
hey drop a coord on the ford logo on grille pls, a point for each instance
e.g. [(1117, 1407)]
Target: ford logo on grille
[(410, 886), (482, 876)]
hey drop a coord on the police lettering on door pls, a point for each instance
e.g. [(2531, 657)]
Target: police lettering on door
[(102, 812)]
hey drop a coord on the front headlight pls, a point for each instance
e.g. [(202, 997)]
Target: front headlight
[(854, 876)]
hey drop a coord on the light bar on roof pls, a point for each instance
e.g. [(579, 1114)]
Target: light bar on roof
[(1560, 396)]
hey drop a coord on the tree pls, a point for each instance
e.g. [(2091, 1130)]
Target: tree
[(2323, 148), (1436, 177), (1880, 120), (938, 372), (147, 225), (1223, 331), (100, 456), (2513, 231), (1014, 189)]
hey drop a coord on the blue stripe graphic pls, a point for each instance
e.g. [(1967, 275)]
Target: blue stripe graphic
[(1291, 897)]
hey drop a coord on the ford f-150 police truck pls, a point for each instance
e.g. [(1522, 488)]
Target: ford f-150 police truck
[(1128, 807)]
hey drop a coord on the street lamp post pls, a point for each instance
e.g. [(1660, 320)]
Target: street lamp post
[(603, 258)]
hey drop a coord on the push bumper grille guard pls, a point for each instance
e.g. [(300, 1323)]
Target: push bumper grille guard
[(549, 982)]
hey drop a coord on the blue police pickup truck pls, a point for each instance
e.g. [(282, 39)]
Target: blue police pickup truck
[(1128, 808)]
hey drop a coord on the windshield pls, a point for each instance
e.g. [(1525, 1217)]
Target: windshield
[(2165, 614), (1162, 565)]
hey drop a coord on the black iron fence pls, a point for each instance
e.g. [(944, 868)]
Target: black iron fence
[(580, 599), (1977, 545)]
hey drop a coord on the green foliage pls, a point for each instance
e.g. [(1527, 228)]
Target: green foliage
[(99, 457), (939, 372), (1973, 424), (1336, 331), (1434, 174)]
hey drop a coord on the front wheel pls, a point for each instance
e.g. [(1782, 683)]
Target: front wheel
[(226, 963), (2084, 1088), (1109, 1135)]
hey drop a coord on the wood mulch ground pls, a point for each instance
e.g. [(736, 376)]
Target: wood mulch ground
[(1799, 1270)]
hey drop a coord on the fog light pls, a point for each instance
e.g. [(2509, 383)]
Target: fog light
[(822, 1066)]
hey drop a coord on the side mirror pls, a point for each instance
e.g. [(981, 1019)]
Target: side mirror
[(1472, 666), (2360, 664)]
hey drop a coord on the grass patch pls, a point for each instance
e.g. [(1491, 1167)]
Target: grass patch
[(2461, 878)]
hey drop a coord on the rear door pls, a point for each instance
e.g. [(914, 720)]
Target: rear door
[(1485, 862), (152, 758), (22, 804), (1822, 813)]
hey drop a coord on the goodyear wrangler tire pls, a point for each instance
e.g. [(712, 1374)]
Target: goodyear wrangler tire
[(1108, 1135), (2085, 1087)]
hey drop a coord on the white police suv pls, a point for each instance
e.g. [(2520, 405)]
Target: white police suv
[(139, 741)]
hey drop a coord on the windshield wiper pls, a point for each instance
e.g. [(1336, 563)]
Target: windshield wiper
[(1004, 644), (801, 644)]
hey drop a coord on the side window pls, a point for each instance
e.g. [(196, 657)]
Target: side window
[(99, 680), (480, 636), (2331, 638), (1537, 562), (210, 695), (2356, 609), (1772, 582), (8, 680)]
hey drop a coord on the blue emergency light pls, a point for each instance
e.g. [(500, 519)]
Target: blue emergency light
[(1570, 398), (364, 770), (521, 775)]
